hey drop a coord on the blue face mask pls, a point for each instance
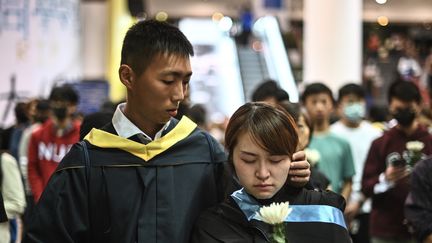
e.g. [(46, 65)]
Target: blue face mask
[(354, 112)]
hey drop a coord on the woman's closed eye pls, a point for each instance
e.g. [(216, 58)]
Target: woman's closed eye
[(277, 159), (248, 161)]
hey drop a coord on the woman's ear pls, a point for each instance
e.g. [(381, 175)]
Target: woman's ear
[(126, 75)]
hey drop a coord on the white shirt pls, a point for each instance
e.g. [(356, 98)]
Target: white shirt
[(126, 129), (360, 139)]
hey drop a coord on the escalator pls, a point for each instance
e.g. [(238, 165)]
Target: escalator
[(226, 73)]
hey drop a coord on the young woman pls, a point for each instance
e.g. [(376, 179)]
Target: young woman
[(260, 140)]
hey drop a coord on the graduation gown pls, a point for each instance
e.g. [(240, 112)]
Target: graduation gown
[(228, 223), (134, 192)]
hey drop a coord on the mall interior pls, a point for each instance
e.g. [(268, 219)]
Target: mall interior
[(291, 42), (239, 45)]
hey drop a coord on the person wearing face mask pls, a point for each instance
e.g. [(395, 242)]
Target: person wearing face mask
[(359, 133), (52, 140), (260, 140), (387, 168)]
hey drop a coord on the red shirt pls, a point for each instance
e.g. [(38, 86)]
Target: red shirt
[(45, 152)]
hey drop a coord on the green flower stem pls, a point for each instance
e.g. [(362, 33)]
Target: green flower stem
[(415, 156), (278, 235)]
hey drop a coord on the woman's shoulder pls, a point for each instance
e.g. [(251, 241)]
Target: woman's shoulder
[(219, 223), (323, 197), (221, 213)]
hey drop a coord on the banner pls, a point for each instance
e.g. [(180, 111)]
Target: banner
[(40, 45)]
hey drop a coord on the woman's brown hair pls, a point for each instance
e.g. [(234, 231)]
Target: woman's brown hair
[(270, 127)]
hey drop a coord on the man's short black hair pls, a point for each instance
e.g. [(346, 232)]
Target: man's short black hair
[(64, 93), (353, 89), (148, 38), (316, 88), (269, 88), (405, 91)]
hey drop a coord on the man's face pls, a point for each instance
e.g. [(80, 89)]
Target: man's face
[(154, 96), (319, 107), (397, 105), (62, 110), (347, 102)]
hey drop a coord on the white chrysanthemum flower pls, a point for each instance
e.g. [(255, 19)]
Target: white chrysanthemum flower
[(276, 213), (414, 145), (313, 156)]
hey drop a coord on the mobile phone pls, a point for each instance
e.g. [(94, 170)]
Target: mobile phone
[(398, 162)]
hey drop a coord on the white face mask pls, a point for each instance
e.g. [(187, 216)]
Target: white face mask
[(354, 112)]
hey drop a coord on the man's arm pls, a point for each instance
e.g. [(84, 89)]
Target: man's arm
[(372, 170), (346, 189), (61, 214), (34, 176), (299, 173), (12, 187)]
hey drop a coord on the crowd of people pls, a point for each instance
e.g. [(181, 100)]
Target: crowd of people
[(148, 171)]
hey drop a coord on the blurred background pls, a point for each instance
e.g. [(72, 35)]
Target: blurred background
[(238, 44)]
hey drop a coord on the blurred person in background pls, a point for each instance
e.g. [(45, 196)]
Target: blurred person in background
[(40, 112), (10, 140), (379, 117), (246, 20), (418, 205), (198, 114), (12, 191), (336, 161), (389, 162), (359, 133), (94, 120), (270, 92), (22, 122), (50, 142), (305, 130)]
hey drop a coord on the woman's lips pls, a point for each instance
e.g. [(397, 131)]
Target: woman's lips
[(264, 187)]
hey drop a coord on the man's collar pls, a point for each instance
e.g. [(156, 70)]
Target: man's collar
[(125, 128)]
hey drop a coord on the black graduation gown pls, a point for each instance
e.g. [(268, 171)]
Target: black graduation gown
[(134, 193), (227, 223)]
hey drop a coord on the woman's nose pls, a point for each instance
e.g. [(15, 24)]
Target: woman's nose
[(262, 172)]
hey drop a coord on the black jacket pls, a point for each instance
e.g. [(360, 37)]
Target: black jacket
[(418, 205), (227, 223)]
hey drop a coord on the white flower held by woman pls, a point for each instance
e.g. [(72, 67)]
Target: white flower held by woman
[(275, 214)]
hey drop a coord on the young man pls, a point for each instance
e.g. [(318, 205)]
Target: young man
[(359, 133), (385, 176), (52, 140), (336, 161), (151, 175)]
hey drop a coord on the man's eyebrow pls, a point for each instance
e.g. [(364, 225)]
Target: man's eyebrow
[(176, 74)]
